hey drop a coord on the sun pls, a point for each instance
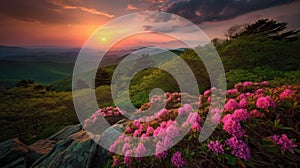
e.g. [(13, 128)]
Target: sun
[(103, 39)]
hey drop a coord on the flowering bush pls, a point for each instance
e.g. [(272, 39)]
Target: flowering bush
[(258, 122), (104, 112)]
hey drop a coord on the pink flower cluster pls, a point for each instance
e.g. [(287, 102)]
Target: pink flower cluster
[(265, 102), (247, 84), (104, 112), (284, 142), (238, 148), (232, 122), (247, 101), (287, 93), (232, 104), (232, 92), (177, 160), (216, 147), (171, 99)]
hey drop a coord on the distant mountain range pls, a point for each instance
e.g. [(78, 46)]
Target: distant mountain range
[(45, 65)]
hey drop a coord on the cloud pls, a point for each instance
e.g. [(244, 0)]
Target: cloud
[(157, 17), (131, 7), (147, 27), (94, 11), (50, 11), (85, 9), (199, 11)]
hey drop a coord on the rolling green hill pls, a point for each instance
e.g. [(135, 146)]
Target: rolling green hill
[(41, 72)]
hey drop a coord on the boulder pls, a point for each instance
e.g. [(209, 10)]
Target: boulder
[(13, 153), (69, 147), (77, 150)]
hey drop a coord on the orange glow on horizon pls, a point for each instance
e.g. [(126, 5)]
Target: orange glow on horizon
[(146, 40)]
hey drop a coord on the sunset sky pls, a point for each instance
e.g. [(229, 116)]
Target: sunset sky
[(69, 23)]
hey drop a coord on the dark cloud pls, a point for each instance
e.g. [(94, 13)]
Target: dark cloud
[(147, 27), (29, 11), (49, 11), (213, 10), (157, 17)]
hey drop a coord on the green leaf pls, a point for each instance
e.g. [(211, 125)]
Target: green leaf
[(297, 150)]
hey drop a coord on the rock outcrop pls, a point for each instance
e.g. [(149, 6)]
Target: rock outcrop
[(70, 147)]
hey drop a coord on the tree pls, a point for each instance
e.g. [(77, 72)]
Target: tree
[(266, 27), (24, 83), (103, 77), (234, 31)]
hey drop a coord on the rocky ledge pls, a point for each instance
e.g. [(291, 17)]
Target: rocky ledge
[(70, 147)]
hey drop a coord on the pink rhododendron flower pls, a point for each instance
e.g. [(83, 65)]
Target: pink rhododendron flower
[(216, 118), (194, 117), (161, 155), (216, 147), (94, 117), (156, 132), (243, 103), (226, 117), (160, 148), (196, 127), (127, 139), (284, 142), (237, 85), (216, 111), (121, 137), (232, 91), (255, 113), (126, 147), (248, 94), (187, 107), (163, 124), (232, 104), (206, 93), (170, 122), (149, 131), (240, 115), (241, 96), (85, 122), (209, 99), (232, 127), (259, 91), (168, 141), (265, 102), (128, 130), (136, 123), (239, 148), (116, 162), (181, 111), (265, 83), (245, 84), (162, 132), (271, 101), (140, 150), (172, 131), (113, 147), (162, 112), (285, 94), (127, 158), (136, 133), (141, 127), (177, 160)]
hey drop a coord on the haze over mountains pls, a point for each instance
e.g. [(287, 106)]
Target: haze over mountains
[(48, 64)]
